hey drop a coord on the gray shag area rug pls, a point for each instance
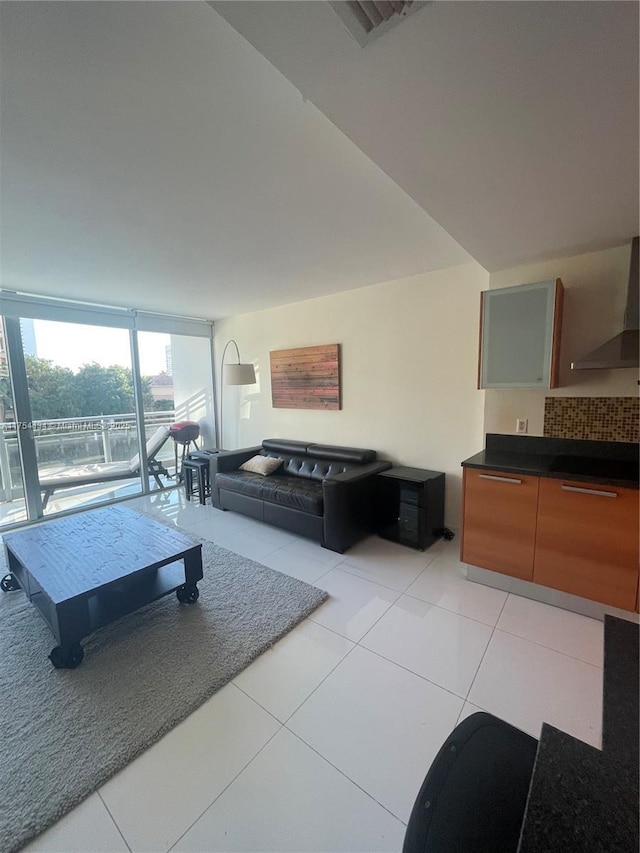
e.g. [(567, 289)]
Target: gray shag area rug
[(65, 732)]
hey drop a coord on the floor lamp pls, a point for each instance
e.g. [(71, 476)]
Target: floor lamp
[(233, 374)]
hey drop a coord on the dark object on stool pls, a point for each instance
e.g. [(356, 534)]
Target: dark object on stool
[(185, 433), (199, 467), (474, 795)]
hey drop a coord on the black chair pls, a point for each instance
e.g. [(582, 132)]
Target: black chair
[(474, 796)]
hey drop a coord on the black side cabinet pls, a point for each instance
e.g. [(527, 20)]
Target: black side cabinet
[(410, 506)]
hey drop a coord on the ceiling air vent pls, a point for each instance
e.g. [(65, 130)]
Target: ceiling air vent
[(366, 20)]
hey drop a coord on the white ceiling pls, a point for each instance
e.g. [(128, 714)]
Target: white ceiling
[(152, 158), (513, 124)]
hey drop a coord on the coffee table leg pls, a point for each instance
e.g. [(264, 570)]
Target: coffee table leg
[(9, 583), (68, 657), (189, 593), (69, 624)]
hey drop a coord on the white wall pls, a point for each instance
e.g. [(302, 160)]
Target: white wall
[(409, 366), (595, 294)]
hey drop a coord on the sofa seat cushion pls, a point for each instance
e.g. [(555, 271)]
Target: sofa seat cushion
[(295, 492), (243, 482)]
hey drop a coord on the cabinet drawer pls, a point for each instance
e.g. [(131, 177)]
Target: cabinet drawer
[(587, 541), (499, 524)]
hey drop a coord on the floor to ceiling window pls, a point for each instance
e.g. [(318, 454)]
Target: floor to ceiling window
[(86, 398), (177, 385), (81, 394), (12, 504)]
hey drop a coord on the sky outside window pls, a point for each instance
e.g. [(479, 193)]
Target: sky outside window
[(72, 345)]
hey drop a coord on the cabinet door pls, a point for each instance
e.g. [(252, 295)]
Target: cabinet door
[(499, 521), (401, 511), (520, 336), (587, 541)]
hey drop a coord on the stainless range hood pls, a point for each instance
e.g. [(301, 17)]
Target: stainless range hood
[(621, 350)]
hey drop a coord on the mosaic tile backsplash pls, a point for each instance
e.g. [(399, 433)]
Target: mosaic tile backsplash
[(593, 418)]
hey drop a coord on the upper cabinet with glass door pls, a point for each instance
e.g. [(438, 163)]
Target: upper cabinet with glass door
[(520, 336)]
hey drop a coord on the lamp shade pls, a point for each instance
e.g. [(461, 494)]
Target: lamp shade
[(239, 374)]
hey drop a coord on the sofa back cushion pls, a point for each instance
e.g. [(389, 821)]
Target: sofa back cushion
[(342, 454), (315, 461), (284, 445)]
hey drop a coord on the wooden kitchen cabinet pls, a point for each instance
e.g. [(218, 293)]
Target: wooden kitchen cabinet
[(520, 331), (499, 521), (587, 541)]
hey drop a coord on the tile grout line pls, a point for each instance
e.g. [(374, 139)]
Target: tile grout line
[(281, 726), (317, 687), (455, 612), (368, 631), (310, 582), (305, 558), (115, 823), (372, 652), (389, 660), (320, 625), (342, 773), (244, 767), (549, 648), (284, 725), (333, 669), (486, 650), (354, 574), (411, 672), (313, 749), (351, 569), (367, 580), (220, 544), (345, 567), (228, 785), (255, 701)]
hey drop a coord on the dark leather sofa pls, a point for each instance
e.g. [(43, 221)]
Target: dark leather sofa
[(320, 491)]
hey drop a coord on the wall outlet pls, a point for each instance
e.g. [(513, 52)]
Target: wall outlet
[(522, 425)]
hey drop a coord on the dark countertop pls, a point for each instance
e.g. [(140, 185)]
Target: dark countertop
[(585, 799), (612, 463)]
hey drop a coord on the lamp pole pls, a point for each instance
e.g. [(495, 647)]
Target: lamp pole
[(243, 374)]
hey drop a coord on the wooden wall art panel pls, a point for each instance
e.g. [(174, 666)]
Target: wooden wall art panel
[(306, 378)]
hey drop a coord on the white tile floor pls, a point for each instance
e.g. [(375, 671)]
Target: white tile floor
[(322, 743)]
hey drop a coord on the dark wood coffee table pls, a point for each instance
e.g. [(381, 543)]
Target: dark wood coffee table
[(90, 569)]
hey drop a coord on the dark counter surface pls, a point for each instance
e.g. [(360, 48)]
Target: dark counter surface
[(585, 799), (612, 463)]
